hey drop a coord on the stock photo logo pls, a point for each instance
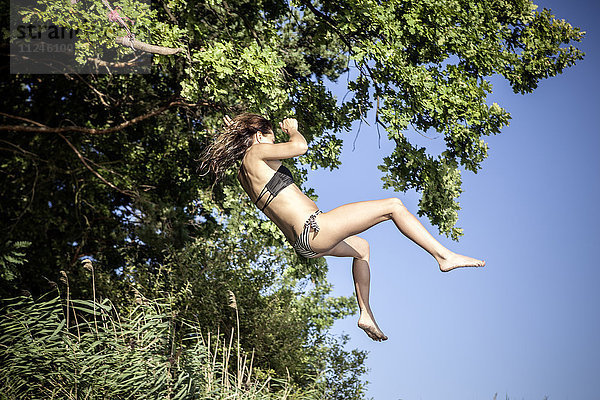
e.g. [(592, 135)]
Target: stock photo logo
[(44, 47)]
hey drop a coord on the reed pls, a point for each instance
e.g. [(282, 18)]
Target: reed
[(142, 353)]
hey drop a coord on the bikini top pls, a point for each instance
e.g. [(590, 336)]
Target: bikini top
[(279, 181)]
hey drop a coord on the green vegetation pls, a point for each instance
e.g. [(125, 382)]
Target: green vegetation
[(146, 353), (104, 166)]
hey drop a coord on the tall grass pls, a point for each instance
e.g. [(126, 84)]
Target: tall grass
[(86, 349)]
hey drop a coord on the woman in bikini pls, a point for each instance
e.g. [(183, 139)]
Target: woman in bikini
[(249, 138)]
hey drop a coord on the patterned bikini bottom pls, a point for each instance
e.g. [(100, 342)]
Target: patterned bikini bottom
[(302, 245)]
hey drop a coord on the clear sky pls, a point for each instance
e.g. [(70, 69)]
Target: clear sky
[(528, 324)]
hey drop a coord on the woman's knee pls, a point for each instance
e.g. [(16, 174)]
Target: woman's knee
[(394, 205), (361, 246)]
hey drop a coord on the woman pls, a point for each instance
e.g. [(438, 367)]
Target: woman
[(249, 138)]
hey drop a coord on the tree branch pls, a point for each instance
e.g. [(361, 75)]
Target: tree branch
[(149, 48), (40, 128), (121, 64), (344, 39)]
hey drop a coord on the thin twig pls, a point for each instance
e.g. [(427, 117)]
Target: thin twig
[(83, 160), (421, 133), (169, 13), (100, 94), (33, 155), (23, 119), (357, 133)]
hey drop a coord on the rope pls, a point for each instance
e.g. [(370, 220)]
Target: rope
[(114, 16)]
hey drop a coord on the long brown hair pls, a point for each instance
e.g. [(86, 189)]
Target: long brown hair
[(230, 145)]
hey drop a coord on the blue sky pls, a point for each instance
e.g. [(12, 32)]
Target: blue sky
[(528, 325)]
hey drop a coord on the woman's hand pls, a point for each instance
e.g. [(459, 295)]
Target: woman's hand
[(294, 147), (289, 125)]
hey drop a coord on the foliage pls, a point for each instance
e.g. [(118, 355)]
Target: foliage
[(284, 319), (160, 231), (11, 256), (343, 369), (421, 63), (146, 353)]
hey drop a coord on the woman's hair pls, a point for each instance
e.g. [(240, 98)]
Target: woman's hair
[(230, 145)]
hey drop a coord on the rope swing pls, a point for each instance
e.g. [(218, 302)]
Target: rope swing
[(130, 40)]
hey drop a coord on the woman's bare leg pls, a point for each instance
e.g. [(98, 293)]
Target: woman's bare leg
[(358, 248), (351, 219)]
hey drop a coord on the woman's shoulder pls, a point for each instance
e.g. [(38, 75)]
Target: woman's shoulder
[(253, 160)]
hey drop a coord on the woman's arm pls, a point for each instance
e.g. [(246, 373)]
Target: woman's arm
[(294, 147)]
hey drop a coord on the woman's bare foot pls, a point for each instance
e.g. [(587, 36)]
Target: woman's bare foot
[(458, 261), (368, 324)]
